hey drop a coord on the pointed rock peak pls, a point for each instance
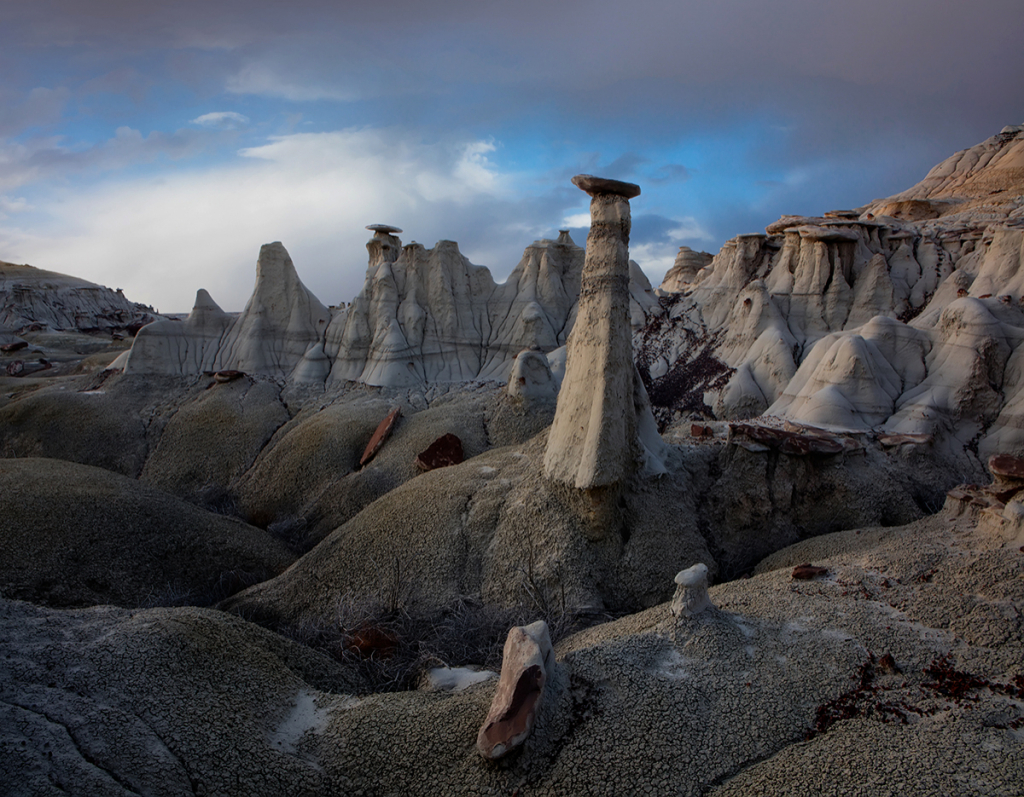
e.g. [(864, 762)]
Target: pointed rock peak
[(205, 302), (274, 264)]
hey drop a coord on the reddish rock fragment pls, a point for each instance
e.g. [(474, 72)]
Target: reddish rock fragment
[(227, 376), (445, 451), (698, 430), (807, 571), (887, 664), (18, 345), (525, 668), (15, 368), (380, 436), (372, 641)]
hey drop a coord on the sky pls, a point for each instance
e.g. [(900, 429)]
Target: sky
[(155, 146)]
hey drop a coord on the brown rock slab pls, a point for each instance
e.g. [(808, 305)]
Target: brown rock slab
[(380, 436), (445, 451), (227, 376), (602, 185), (525, 668), (18, 345), (387, 229)]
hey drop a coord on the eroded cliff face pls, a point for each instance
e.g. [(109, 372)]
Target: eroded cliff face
[(907, 323), (34, 297)]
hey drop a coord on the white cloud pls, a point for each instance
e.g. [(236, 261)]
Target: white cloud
[(161, 238), (689, 229), (13, 205), (223, 120), (577, 220), (260, 79)]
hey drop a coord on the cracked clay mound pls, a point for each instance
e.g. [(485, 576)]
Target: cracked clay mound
[(908, 682)]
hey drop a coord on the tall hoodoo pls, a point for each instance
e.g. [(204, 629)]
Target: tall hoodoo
[(602, 411)]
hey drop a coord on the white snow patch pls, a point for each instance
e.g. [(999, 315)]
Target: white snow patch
[(455, 679), (304, 717), (674, 666)]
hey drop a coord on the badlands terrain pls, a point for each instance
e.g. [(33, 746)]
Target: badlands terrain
[(280, 551)]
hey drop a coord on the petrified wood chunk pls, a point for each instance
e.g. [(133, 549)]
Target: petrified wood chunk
[(807, 571), (1007, 467), (446, 450), (380, 436), (525, 667), (16, 346), (227, 376)]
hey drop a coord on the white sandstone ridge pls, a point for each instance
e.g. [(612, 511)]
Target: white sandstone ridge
[(864, 320), (282, 320), (31, 296), (423, 316)]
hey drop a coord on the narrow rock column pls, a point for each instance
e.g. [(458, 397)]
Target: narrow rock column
[(593, 440)]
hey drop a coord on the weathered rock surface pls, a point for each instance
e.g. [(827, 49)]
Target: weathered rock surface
[(779, 687)]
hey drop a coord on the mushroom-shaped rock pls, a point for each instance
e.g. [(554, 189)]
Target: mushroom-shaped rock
[(691, 596), (383, 229), (445, 451), (526, 665), (602, 185), (603, 418)]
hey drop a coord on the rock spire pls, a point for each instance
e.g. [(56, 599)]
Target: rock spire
[(603, 410)]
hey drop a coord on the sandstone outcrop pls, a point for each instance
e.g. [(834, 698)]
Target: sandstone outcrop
[(281, 322)]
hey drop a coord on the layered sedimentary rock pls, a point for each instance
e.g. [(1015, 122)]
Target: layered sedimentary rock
[(424, 316), (903, 316), (31, 296)]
